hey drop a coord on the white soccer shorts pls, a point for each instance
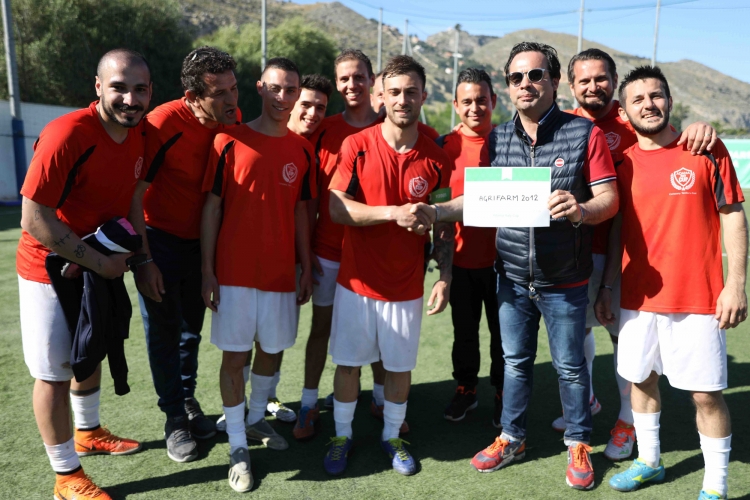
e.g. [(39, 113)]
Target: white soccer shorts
[(324, 291)]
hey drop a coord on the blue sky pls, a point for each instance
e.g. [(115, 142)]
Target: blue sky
[(713, 32)]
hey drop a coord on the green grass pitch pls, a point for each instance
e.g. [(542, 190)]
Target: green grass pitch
[(443, 448)]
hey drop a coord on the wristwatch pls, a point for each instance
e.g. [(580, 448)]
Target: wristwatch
[(583, 216)]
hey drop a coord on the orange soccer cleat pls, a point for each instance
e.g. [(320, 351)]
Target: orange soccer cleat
[(79, 486), (101, 441)]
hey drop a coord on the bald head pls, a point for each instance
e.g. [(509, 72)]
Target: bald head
[(117, 57)]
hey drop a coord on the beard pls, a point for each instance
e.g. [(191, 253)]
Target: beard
[(127, 121), (402, 122), (597, 105), (652, 129)]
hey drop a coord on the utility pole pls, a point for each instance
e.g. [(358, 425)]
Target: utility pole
[(263, 48), (656, 32), (580, 43), (14, 94), (406, 36), (380, 41), (456, 55)]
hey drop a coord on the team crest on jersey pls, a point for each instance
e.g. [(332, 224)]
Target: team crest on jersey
[(289, 172), (417, 187), (613, 140), (138, 167), (559, 163), (682, 179)]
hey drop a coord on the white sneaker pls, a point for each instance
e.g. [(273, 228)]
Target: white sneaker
[(559, 423), (281, 412), (620, 445), (263, 432), (240, 475)]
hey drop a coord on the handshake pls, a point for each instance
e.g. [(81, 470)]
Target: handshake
[(416, 217)]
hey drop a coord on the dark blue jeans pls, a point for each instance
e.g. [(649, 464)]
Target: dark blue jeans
[(564, 313), (173, 326)]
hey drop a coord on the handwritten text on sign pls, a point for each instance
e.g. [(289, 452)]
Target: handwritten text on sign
[(507, 196)]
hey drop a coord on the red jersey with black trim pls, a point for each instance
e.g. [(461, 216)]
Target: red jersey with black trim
[(385, 261), (260, 180), (620, 136), (475, 246), (671, 231), (177, 147), (81, 171)]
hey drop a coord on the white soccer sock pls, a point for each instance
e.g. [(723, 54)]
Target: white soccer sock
[(378, 394), (309, 397), (394, 415), (647, 428), (259, 390), (276, 378), (85, 410), (63, 457), (235, 418), (623, 386), (343, 416), (716, 460), (589, 351)]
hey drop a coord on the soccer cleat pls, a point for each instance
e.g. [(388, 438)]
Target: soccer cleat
[(559, 422), (464, 400), (498, 413), (377, 412), (580, 473), (240, 475), (637, 475), (77, 486), (620, 445), (710, 495), (263, 432), (307, 422), (181, 447), (280, 411), (221, 423), (200, 426), (102, 442), (338, 454), (401, 460), (499, 454)]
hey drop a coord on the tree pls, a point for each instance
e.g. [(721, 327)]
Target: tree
[(310, 48), (59, 42)]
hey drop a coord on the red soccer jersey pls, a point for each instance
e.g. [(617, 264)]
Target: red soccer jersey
[(177, 147), (79, 169), (260, 180), (385, 261), (620, 136), (671, 233), (475, 246)]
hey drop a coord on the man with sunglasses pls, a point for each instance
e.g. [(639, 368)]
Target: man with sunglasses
[(544, 272)]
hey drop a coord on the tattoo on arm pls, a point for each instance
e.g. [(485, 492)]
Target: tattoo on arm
[(444, 238), (36, 214), (61, 241), (80, 251)]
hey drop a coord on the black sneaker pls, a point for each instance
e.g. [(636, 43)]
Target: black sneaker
[(463, 401), (498, 410), (181, 447), (201, 427)]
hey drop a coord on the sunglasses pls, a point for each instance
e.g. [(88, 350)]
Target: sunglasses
[(535, 75)]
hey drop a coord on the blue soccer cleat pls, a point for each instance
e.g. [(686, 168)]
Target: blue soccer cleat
[(710, 495), (336, 458), (637, 475), (401, 460)]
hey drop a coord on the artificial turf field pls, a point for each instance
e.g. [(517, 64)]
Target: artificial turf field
[(442, 448)]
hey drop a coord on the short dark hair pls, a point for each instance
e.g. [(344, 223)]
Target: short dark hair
[(283, 64), (353, 55), (592, 55), (201, 61), (553, 63), (127, 54), (402, 65), (643, 73), (317, 82), (474, 75)]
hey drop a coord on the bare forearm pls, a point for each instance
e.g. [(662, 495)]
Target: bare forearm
[(735, 242), (42, 223), (302, 235), (137, 219), (210, 225), (601, 207), (451, 211), (444, 241), (352, 213)]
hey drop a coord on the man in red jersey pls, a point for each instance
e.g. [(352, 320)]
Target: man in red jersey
[(254, 224), (592, 75), (83, 173), (474, 277), (378, 104), (166, 211), (381, 173), (675, 302)]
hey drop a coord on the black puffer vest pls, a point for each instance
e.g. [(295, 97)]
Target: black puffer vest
[(560, 254)]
